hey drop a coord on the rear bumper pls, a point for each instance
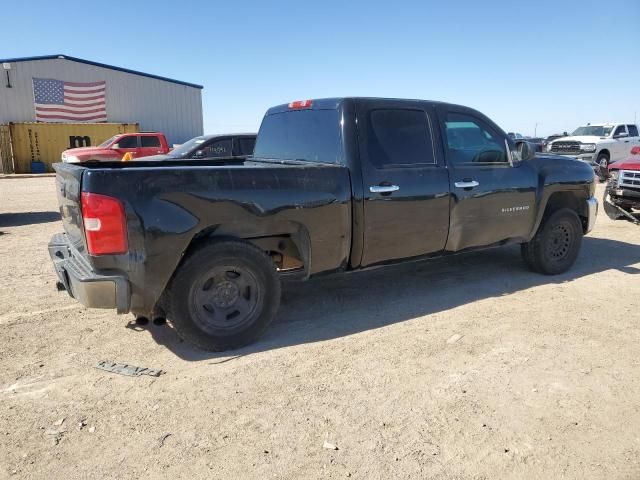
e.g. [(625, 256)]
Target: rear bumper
[(592, 211), (82, 283)]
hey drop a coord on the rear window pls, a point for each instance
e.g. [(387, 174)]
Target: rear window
[(312, 135)]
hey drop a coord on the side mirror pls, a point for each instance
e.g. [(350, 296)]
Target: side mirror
[(198, 154), (525, 150), (621, 135), (115, 146)]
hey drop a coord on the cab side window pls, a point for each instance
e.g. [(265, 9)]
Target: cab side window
[(216, 149), (633, 130), (244, 146), (399, 137), (149, 141), (620, 129), (128, 142), (470, 141)]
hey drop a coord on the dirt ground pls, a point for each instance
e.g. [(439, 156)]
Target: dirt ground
[(468, 368)]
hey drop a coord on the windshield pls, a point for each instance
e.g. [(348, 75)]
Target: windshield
[(593, 130), (186, 148), (106, 143)]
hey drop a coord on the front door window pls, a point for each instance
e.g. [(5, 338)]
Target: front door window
[(471, 142)]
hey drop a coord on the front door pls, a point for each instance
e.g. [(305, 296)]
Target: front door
[(127, 145), (493, 198), (406, 185), (621, 145)]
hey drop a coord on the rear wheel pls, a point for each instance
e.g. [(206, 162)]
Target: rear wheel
[(556, 244), (224, 295)]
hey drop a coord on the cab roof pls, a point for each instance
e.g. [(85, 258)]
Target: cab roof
[(334, 102)]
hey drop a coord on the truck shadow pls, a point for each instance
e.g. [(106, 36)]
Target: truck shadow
[(330, 307), (27, 218)]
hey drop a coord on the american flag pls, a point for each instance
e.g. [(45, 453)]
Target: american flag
[(58, 101)]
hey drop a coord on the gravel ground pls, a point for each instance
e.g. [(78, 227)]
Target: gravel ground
[(469, 368)]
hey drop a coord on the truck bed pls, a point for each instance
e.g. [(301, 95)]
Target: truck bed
[(169, 203)]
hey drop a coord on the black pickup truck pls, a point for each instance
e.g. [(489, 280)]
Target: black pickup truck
[(334, 185)]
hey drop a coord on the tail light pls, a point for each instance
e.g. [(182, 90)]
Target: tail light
[(105, 224), (635, 151)]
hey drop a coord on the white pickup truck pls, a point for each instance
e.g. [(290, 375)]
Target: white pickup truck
[(598, 144)]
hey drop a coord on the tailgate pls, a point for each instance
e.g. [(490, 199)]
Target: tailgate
[(68, 189)]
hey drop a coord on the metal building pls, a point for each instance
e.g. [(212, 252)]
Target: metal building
[(155, 103)]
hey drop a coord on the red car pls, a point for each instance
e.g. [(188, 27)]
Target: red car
[(622, 196), (137, 144)]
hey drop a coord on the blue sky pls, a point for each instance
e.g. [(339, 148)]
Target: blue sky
[(555, 63)]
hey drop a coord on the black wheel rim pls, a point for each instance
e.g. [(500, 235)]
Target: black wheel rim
[(559, 242), (225, 298)]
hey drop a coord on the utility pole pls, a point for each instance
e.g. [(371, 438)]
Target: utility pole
[(535, 131)]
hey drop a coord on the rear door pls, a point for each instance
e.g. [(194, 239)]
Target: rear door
[(406, 185), (493, 199), (634, 136), (150, 145)]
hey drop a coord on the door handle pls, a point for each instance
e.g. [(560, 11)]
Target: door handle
[(383, 188), (467, 184)]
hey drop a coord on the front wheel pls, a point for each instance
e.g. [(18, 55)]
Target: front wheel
[(603, 167), (556, 244), (224, 295)]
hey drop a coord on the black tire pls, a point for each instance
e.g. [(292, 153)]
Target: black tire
[(556, 244), (224, 295), (603, 167)]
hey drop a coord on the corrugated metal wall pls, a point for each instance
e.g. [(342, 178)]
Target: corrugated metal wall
[(6, 156), (45, 142), (157, 105)]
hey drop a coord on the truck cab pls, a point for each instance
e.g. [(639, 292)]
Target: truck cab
[(598, 144), (137, 145)]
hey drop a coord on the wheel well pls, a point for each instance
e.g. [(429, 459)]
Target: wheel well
[(604, 151), (285, 250), (282, 249), (560, 200)]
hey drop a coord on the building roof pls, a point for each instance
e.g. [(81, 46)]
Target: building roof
[(96, 64)]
